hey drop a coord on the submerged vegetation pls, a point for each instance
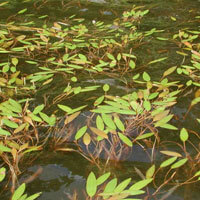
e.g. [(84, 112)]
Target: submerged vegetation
[(78, 86)]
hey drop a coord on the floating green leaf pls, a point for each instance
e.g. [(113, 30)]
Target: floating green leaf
[(91, 185), (14, 61), (108, 121), (146, 76), (80, 132), (106, 87), (4, 132), (168, 162), (179, 163), (103, 178), (150, 172), (125, 139), (122, 185), (111, 185), (143, 136), (195, 101), (169, 126), (99, 123), (34, 196), (76, 109), (163, 121), (38, 109), (45, 117), (141, 184), (99, 100), (18, 107), (19, 192), (64, 108), (184, 135), (147, 105), (4, 148), (74, 79), (9, 123), (119, 123), (132, 64)]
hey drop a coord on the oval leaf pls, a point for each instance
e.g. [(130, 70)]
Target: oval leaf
[(91, 185), (122, 185), (80, 132), (4, 132), (99, 132), (125, 139), (150, 171), (184, 135), (4, 148), (86, 139), (146, 76), (108, 121), (99, 123)]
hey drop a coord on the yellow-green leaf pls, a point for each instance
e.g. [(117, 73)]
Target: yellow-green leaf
[(125, 139), (91, 185), (179, 163)]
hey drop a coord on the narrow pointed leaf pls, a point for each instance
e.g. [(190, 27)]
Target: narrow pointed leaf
[(179, 163), (168, 162), (103, 178), (122, 185), (34, 196), (141, 184), (19, 192), (171, 153), (150, 172)]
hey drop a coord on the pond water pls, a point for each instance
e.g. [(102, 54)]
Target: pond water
[(61, 173)]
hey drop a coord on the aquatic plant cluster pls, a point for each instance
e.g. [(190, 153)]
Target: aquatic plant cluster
[(52, 61)]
